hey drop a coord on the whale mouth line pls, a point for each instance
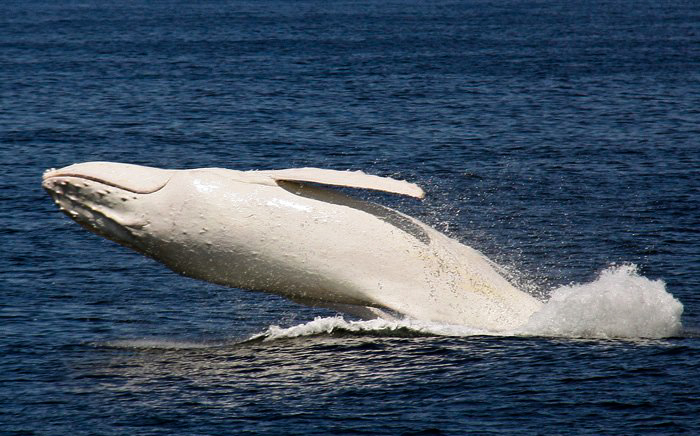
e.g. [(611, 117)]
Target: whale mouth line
[(106, 182), (97, 220)]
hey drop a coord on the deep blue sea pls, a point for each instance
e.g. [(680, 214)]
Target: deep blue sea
[(561, 139)]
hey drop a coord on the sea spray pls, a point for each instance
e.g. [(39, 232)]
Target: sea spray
[(620, 303)]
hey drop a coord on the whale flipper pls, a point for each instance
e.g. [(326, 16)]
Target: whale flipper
[(351, 179)]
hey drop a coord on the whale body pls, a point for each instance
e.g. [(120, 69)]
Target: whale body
[(285, 232)]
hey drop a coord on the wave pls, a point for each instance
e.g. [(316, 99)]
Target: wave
[(376, 327)]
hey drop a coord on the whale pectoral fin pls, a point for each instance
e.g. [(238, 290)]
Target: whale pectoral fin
[(351, 179)]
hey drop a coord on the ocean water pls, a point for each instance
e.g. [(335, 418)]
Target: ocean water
[(562, 139)]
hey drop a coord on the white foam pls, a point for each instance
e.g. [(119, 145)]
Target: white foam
[(620, 303), (404, 327)]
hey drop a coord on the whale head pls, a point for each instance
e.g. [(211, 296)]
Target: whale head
[(207, 223), (163, 213)]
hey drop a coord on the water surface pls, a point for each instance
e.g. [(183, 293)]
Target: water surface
[(559, 139)]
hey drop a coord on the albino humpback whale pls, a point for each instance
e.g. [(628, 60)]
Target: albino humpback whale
[(282, 232)]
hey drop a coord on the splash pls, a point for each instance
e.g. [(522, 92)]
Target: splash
[(375, 327), (620, 303)]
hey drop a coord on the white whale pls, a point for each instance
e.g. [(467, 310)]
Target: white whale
[(282, 232)]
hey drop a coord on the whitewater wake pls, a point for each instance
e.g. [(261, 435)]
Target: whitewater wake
[(620, 303)]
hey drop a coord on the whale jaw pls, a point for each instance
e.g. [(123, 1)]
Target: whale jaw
[(100, 196)]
